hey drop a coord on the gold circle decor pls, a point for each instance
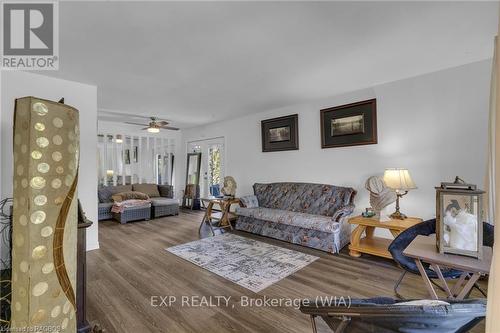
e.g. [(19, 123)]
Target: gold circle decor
[(22, 291), (39, 127), (23, 220), (59, 169), (56, 311), (43, 167), (59, 200), (71, 135), (71, 165), (57, 140), (24, 149), (18, 306), (65, 323), (39, 252), (57, 122), (68, 180), (42, 142), (38, 217), (36, 155), (40, 200), (39, 317), (24, 183), (57, 156), (23, 266), (71, 148), (20, 170), (40, 108), (46, 231), (47, 268), (40, 288), (37, 183), (66, 307), (56, 183)]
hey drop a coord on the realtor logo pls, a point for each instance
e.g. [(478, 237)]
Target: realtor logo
[(29, 35)]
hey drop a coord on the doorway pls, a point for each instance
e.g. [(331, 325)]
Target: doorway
[(212, 162)]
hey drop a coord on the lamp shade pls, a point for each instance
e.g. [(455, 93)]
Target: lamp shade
[(398, 179)]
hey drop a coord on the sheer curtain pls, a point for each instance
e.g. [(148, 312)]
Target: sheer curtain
[(493, 198)]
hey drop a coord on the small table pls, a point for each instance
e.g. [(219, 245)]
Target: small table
[(219, 218), (370, 244), (423, 248)]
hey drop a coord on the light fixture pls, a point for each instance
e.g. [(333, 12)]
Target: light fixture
[(119, 139), (400, 181), (153, 130)]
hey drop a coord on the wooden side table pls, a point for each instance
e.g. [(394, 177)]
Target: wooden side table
[(371, 244), (219, 218), (423, 249)]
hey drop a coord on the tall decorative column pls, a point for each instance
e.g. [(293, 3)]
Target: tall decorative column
[(46, 148)]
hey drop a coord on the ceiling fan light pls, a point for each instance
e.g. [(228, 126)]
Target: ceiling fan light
[(153, 130)]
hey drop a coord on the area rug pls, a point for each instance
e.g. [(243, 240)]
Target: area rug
[(249, 263)]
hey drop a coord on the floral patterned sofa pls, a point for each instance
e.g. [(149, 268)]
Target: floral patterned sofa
[(312, 215)]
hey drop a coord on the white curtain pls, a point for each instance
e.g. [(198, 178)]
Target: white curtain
[(492, 206)]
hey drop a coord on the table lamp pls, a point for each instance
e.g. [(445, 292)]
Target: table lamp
[(400, 181)]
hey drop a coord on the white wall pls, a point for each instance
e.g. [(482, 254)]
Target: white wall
[(15, 84), (435, 125)]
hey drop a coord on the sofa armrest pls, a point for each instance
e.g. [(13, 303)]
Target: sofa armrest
[(249, 201), (343, 212)]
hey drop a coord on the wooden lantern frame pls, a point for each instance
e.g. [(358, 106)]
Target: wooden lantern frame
[(459, 188)]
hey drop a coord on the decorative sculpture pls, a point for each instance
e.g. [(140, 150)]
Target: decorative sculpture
[(380, 196), (46, 148), (462, 230), (230, 186)]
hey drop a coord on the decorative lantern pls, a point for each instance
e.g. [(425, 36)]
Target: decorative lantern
[(459, 219)]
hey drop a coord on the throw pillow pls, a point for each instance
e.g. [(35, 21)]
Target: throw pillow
[(104, 193), (250, 201), (150, 189), (119, 197), (166, 191)]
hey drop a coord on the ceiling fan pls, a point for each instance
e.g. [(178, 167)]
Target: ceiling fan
[(155, 125)]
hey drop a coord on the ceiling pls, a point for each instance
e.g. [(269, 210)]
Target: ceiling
[(200, 62)]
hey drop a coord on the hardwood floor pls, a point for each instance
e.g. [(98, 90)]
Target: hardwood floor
[(132, 266)]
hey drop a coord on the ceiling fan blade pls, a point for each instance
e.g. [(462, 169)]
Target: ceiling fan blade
[(162, 123), (169, 128), (135, 124)]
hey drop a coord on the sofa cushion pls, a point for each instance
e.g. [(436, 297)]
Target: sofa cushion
[(160, 201), (250, 201), (150, 189), (118, 197), (303, 220), (104, 193), (166, 191), (105, 205), (307, 198)]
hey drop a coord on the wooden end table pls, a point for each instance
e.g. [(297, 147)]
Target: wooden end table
[(371, 244), (424, 249), (219, 218)]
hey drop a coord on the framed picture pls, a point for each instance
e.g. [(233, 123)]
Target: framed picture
[(280, 134), (349, 125)]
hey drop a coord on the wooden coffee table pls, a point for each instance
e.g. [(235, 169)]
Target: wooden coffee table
[(371, 244), (424, 249)]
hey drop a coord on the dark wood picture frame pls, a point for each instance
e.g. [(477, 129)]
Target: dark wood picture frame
[(280, 134), (365, 132)]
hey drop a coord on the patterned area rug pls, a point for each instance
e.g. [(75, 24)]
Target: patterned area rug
[(249, 263)]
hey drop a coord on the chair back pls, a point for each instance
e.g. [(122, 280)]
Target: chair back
[(488, 232), (401, 242)]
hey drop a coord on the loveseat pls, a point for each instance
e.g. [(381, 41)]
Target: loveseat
[(162, 202), (312, 215)]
